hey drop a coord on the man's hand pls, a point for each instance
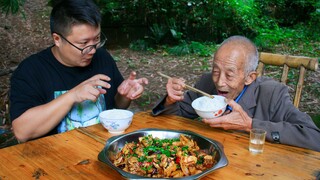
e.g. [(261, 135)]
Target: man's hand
[(90, 89), (132, 88), (238, 119), (175, 90)]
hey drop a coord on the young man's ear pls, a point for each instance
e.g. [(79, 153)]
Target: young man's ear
[(251, 77), (56, 39)]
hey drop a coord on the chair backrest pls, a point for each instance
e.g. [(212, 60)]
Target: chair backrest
[(287, 61)]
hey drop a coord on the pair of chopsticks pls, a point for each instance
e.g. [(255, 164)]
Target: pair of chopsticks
[(93, 136), (189, 87)]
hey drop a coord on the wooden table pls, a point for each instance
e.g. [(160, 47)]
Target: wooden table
[(73, 155)]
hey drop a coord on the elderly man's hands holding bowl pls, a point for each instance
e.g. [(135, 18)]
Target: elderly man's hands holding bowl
[(209, 108), (237, 119), (215, 114)]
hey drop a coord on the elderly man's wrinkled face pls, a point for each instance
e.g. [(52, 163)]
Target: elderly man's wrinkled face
[(228, 71)]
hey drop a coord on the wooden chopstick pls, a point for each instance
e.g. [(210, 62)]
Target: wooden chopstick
[(93, 136), (189, 87)]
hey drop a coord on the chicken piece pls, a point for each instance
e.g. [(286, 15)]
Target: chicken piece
[(132, 160), (187, 161), (127, 149), (177, 143), (187, 142), (192, 170), (159, 169), (179, 153), (208, 161), (164, 161), (168, 170), (118, 161), (139, 151), (184, 168), (146, 140), (177, 173)]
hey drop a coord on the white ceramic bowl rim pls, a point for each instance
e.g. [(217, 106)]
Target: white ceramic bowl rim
[(216, 108), (112, 114)]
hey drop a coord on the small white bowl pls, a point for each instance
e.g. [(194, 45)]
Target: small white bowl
[(116, 120), (209, 108)]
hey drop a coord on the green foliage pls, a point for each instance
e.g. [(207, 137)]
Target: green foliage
[(191, 48), (158, 32), (12, 6), (268, 22), (181, 49), (316, 119), (140, 45)]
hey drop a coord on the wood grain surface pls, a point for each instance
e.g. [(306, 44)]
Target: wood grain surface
[(73, 155)]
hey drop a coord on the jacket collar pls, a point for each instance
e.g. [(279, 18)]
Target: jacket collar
[(248, 99)]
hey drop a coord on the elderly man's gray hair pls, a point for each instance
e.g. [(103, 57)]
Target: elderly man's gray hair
[(249, 47)]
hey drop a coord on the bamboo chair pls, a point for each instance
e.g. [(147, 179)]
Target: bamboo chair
[(287, 61)]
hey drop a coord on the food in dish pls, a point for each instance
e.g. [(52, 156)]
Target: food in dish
[(164, 158)]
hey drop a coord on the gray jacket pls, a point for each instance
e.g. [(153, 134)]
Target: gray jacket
[(267, 102)]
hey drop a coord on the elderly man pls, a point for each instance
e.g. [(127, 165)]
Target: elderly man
[(264, 103)]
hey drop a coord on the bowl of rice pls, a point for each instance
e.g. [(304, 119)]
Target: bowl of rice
[(116, 120), (209, 108)]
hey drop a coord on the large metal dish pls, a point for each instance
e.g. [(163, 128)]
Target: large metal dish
[(115, 144)]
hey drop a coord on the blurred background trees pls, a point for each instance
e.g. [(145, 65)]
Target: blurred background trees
[(267, 22), (149, 23)]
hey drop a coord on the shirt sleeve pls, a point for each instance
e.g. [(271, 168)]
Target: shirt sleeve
[(290, 125), (25, 90), (184, 108)]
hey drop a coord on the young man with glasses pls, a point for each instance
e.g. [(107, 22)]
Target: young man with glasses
[(66, 85)]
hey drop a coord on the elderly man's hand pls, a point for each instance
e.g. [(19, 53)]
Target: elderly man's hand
[(175, 89), (132, 88), (238, 119)]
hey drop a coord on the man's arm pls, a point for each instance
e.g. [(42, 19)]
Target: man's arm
[(275, 113), (292, 126), (40, 120), (183, 107)]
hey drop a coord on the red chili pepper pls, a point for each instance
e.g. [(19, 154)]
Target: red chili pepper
[(178, 160)]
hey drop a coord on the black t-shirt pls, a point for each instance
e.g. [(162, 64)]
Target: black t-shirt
[(37, 78)]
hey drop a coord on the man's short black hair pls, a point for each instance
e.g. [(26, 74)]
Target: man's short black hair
[(67, 13)]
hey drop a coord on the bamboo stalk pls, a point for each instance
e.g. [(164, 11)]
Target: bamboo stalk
[(189, 87), (93, 136)]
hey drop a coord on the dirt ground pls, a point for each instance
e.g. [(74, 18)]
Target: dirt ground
[(20, 38)]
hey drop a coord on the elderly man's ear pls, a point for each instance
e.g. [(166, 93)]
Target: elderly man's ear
[(251, 77)]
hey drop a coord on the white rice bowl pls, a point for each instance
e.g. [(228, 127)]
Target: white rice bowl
[(209, 108)]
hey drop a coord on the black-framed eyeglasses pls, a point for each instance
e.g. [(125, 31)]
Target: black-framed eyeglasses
[(89, 48)]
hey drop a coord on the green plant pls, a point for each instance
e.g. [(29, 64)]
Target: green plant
[(200, 49), (158, 32), (205, 65), (193, 47), (131, 64), (140, 45), (268, 22), (12, 6), (181, 49)]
